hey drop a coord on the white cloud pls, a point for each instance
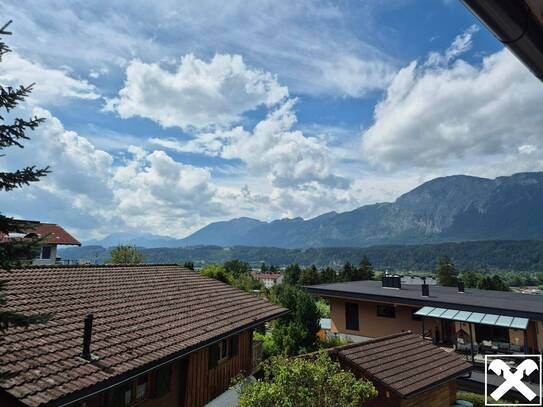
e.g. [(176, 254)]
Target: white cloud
[(436, 116), (198, 94), (461, 44), (316, 48), (273, 147), (89, 191), (53, 86)]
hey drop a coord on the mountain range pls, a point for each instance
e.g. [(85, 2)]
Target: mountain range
[(446, 209)]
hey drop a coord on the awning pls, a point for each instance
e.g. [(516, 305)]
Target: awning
[(474, 317)]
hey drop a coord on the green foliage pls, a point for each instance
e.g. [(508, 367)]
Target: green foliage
[(126, 254), (236, 267), (309, 276), (478, 400), (328, 275), (492, 283), (189, 265), (268, 344), (348, 273), (484, 282), (296, 333), (323, 307), (302, 382), (246, 282), (218, 272), (447, 275), (333, 342), (365, 269), (292, 274)]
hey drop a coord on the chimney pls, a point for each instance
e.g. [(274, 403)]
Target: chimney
[(388, 281), (87, 336), (460, 286), (425, 288)]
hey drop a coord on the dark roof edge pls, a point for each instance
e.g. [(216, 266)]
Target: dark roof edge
[(438, 383), (373, 340), (115, 381), (424, 301), (67, 266)]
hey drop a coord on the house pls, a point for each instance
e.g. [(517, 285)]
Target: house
[(469, 320), (406, 370), (51, 236), (269, 279), (146, 335)]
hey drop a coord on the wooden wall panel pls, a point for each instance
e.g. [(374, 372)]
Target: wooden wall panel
[(205, 384)]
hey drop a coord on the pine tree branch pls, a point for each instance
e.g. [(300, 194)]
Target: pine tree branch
[(10, 134), (10, 97), (13, 180), (3, 47)]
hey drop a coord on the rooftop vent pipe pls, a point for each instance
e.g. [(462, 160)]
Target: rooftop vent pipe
[(87, 337), (460, 286), (388, 281), (517, 25), (425, 288)]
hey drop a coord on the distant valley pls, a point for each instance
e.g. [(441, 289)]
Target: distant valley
[(449, 209), (475, 256)]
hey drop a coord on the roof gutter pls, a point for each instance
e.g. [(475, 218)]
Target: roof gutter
[(138, 372), (517, 24)]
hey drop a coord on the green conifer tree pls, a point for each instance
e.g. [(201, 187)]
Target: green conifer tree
[(13, 133)]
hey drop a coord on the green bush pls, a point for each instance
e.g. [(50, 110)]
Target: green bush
[(305, 382), (478, 400)]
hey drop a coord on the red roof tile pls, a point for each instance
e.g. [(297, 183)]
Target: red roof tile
[(404, 363), (142, 314), (53, 234)]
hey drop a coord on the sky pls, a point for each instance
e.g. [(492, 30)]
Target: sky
[(164, 116)]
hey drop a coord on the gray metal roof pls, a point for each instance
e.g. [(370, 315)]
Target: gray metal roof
[(484, 301)]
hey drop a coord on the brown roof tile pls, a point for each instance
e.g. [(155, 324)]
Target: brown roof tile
[(142, 314), (404, 363)]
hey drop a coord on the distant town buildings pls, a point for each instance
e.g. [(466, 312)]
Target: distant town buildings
[(268, 279)]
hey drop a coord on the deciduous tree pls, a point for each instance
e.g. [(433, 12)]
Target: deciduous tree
[(126, 254), (304, 382)]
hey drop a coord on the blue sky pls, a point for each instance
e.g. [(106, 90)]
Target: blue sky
[(165, 116)]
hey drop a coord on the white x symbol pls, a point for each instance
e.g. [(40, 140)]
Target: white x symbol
[(526, 368)]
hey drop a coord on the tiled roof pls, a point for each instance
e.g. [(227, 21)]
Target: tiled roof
[(143, 315), (404, 363), (54, 234)]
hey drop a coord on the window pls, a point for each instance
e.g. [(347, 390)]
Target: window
[(387, 311), (163, 380), (46, 252), (141, 388), (351, 316), (131, 392), (223, 350)]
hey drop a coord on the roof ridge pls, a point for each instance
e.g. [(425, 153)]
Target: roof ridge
[(371, 341), (60, 266)]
